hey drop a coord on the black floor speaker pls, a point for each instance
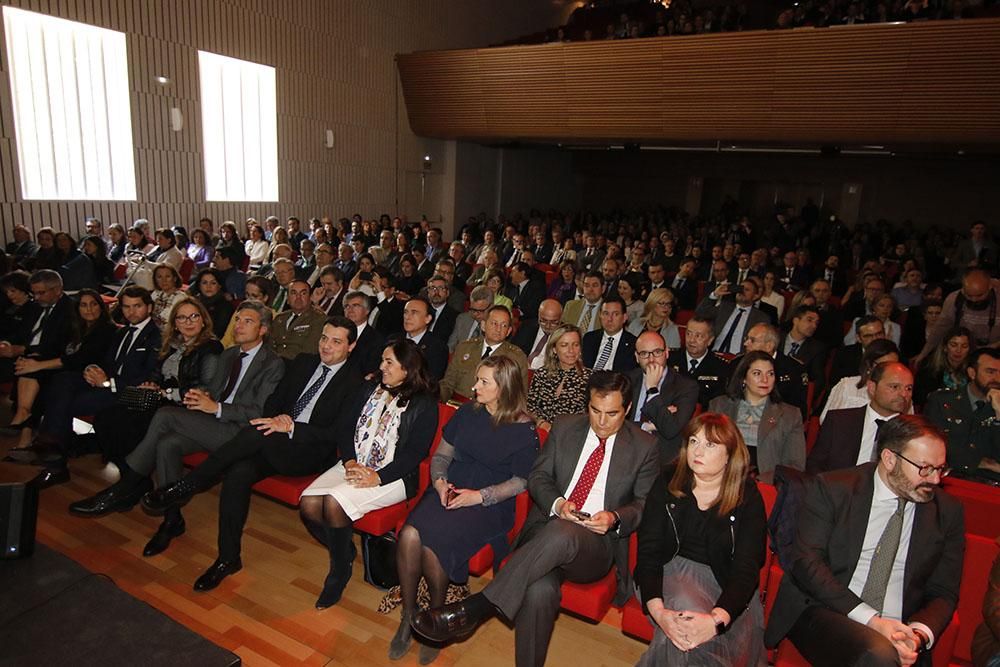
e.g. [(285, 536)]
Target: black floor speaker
[(18, 515)]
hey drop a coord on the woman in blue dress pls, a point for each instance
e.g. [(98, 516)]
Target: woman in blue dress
[(486, 452)]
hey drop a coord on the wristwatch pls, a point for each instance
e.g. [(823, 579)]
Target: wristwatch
[(106, 384), (618, 522)]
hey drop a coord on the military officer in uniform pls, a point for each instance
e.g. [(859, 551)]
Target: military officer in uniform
[(698, 362), (297, 330), (971, 416), (460, 377)]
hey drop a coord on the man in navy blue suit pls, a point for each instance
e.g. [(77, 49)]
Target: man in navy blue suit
[(130, 361), (610, 347)]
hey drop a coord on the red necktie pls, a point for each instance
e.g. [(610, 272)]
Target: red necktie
[(583, 485)]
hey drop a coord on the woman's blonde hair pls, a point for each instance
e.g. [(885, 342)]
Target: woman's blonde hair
[(650, 318), (720, 430), (552, 355)]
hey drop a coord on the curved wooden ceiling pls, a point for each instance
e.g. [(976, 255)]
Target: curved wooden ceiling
[(905, 84)]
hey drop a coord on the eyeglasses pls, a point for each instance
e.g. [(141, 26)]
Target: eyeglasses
[(436, 288), (664, 304), (657, 353), (192, 318), (477, 310), (928, 470)]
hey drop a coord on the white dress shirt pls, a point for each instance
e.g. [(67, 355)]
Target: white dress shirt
[(615, 340), (595, 499), (884, 503), (306, 413), (417, 337), (538, 361), (867, 449), (736, 342)]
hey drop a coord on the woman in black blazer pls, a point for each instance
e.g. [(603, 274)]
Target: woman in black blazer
[(701, 545), (382, 439)]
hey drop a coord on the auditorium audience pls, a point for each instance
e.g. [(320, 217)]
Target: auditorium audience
[(852, 391), (771, 428), (701, 545), (460, 378), (166, 293), (655, 316), (482, 462), (946, 367), (200, 250), (297, 330)]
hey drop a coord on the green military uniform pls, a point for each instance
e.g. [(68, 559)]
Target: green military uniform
[(292, 334), (461, 374), (973, 433)]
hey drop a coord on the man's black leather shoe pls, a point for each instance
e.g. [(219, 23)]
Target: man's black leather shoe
[(450, 622), (214, 575), (167, 531), (172, 495), (112, 499), (51, 477)]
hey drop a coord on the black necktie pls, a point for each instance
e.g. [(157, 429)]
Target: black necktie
[(728, 338), (41, 321), (795, 349), (123, 350), (487, 352), (879, 423), (694, 365), (234, 376)]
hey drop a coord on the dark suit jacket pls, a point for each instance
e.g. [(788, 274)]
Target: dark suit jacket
[(846, 363), (634, 466), (525, 336), (799, 280), (313, 444), (542, 253), (676, 390), (139, 362), (55, 331), (390, 317), (687, 296), (435, 353), (831, 328), (831, 529), (812, 355), (839, 441), (528, 299), (624, 359), (368, 350), (444, 323), (768, 310)]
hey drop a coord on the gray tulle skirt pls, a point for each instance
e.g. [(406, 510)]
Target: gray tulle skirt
[(692, 586)]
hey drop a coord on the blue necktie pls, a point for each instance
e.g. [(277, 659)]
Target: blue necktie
[(309, 393), (605, 355)]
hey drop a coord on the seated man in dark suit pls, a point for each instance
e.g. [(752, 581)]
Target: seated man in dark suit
[(611, 347), (800, 344), (45, 329), (587, 501), (877, 557), (847, 437), (970, 417), (388, 313), (295, 436), (847, 359), (524, 292), (532, 335), (130, 361), (685, 285), (732, 319), (663, 400), (370, 343), (417, 318), (699, 363), (438, 292), (831, 320)]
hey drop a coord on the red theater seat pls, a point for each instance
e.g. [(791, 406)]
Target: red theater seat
[(980, 552)]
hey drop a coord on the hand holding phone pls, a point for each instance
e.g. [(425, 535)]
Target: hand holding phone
[(581, 515)]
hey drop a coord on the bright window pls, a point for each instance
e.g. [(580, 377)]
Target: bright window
[(72, 115), (240, 129)]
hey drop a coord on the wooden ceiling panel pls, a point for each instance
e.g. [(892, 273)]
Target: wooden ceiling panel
[(899, 84)]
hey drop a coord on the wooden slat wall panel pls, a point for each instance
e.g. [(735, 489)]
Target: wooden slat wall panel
[(335, 62), (936, 82)]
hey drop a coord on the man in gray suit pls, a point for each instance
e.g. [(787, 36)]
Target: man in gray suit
[(732, 318), (248, 373), (589, 487)]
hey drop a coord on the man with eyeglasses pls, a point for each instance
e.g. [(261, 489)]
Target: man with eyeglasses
[(663, 401), (469, 324), (877, 557), (533, 335), (45, 329), (438, 291), (461, 374), (370, 342), (971, 415), (847, 437)]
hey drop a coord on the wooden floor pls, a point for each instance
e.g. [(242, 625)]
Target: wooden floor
[(265, 613)]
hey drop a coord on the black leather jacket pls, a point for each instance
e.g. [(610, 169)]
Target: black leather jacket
[(196, 369)]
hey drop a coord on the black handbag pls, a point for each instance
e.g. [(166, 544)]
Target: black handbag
[(138, 399), (378, 553)]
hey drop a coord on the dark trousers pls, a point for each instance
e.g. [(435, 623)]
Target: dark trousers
[(70, 396), (242, 462), (527, 589), (829, 639)]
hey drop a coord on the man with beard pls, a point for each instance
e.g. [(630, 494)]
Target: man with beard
[(976, 307), (971, 416), (877, 559)]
